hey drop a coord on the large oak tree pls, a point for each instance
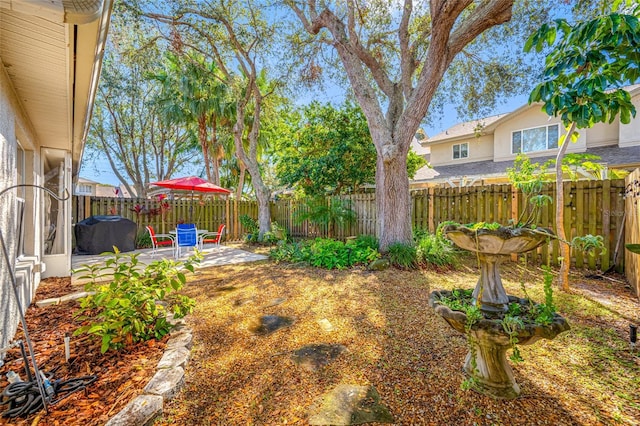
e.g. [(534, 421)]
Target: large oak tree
[(426, 42)]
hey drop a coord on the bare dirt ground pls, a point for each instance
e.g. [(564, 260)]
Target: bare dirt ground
[(394, 341)]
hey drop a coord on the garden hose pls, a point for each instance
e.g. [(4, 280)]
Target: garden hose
[(24, 398)]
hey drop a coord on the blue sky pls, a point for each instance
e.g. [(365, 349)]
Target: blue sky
[(98, 169)]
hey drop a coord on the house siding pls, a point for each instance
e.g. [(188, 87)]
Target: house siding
[(479, 149), (630, 133), (13, 127), (603, 134), (528, 118)]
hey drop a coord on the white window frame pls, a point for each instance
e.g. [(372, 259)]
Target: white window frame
[(459, 145), (546, 127), (83, 189)]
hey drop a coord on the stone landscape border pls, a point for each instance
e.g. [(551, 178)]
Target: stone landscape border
[(164, 385)]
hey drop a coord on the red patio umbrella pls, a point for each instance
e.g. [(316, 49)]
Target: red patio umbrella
[(191, 183)]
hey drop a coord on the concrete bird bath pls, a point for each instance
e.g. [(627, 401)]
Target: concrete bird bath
[(488, 339)]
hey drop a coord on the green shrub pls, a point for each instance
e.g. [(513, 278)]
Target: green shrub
[(327, 253), (290, 252), (436, 250), (250, 226), (419, 233), (364, 241), (132, 305), (402, 255), (143, 239)]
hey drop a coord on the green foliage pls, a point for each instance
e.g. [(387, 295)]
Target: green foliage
[(133, 303), (250, 226), (402, 255), (277, 233), (327, 253), (329, 151), (529, 178), (588, 63), (544, 313), (511, 324), (293, 252), (143, 239), (436, 250), (589, 244), (327, 213), (365, 241)]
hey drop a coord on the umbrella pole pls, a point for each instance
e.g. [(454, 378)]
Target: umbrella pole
[(191, 208)]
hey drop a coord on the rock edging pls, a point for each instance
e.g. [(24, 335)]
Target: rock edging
[(163, 386)]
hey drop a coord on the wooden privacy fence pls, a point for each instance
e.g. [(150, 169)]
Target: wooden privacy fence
[(591, 207), (632, 229)]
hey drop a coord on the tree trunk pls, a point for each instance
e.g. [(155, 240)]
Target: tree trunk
[(393, 201), (204, 144), (565, 251), (214, 145), (243, 171)]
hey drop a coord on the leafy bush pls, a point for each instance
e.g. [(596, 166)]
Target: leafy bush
[(133, 304), (363, 241), (250, 226), (327, 253), (326, 213), (290, 252), (402, 255), (436, 250), (143, 239)]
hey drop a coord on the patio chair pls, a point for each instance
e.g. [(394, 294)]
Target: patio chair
[(159, 240), (212, 237), (186, 236)]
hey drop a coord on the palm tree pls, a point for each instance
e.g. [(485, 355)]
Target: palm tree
[(193, 94)]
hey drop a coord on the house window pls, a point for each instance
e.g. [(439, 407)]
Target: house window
[(460, 150), (83, 189), (535, 139)]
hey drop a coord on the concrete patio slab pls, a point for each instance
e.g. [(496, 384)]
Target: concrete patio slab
[(211, 257)]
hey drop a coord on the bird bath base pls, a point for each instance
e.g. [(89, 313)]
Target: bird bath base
[(489, 343)]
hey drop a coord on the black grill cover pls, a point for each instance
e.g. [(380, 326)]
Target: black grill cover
[(97, 234)]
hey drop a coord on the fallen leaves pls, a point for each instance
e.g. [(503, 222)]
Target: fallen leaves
[(396, 343)]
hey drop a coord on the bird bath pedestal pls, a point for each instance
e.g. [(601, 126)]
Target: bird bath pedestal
[(488, 339)]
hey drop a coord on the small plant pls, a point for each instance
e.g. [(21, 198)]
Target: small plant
[(511, 324), (326, 213), (402, 255), (589, 244), (364, 241), (436, 250), (134, 303), (143, 239), (546, 311), (250, 226)]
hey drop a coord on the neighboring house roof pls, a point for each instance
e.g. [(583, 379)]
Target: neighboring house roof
[(488, 124), (463, 129), (419, 149), (103, 190), (613, 156), (87, 181)]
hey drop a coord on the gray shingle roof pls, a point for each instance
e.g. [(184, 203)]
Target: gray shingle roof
[(612, 156)]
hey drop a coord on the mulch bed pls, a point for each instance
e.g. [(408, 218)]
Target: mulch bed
[(121, 375), (396, 343)]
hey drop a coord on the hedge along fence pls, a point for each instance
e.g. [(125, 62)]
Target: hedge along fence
[(591, 207)]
